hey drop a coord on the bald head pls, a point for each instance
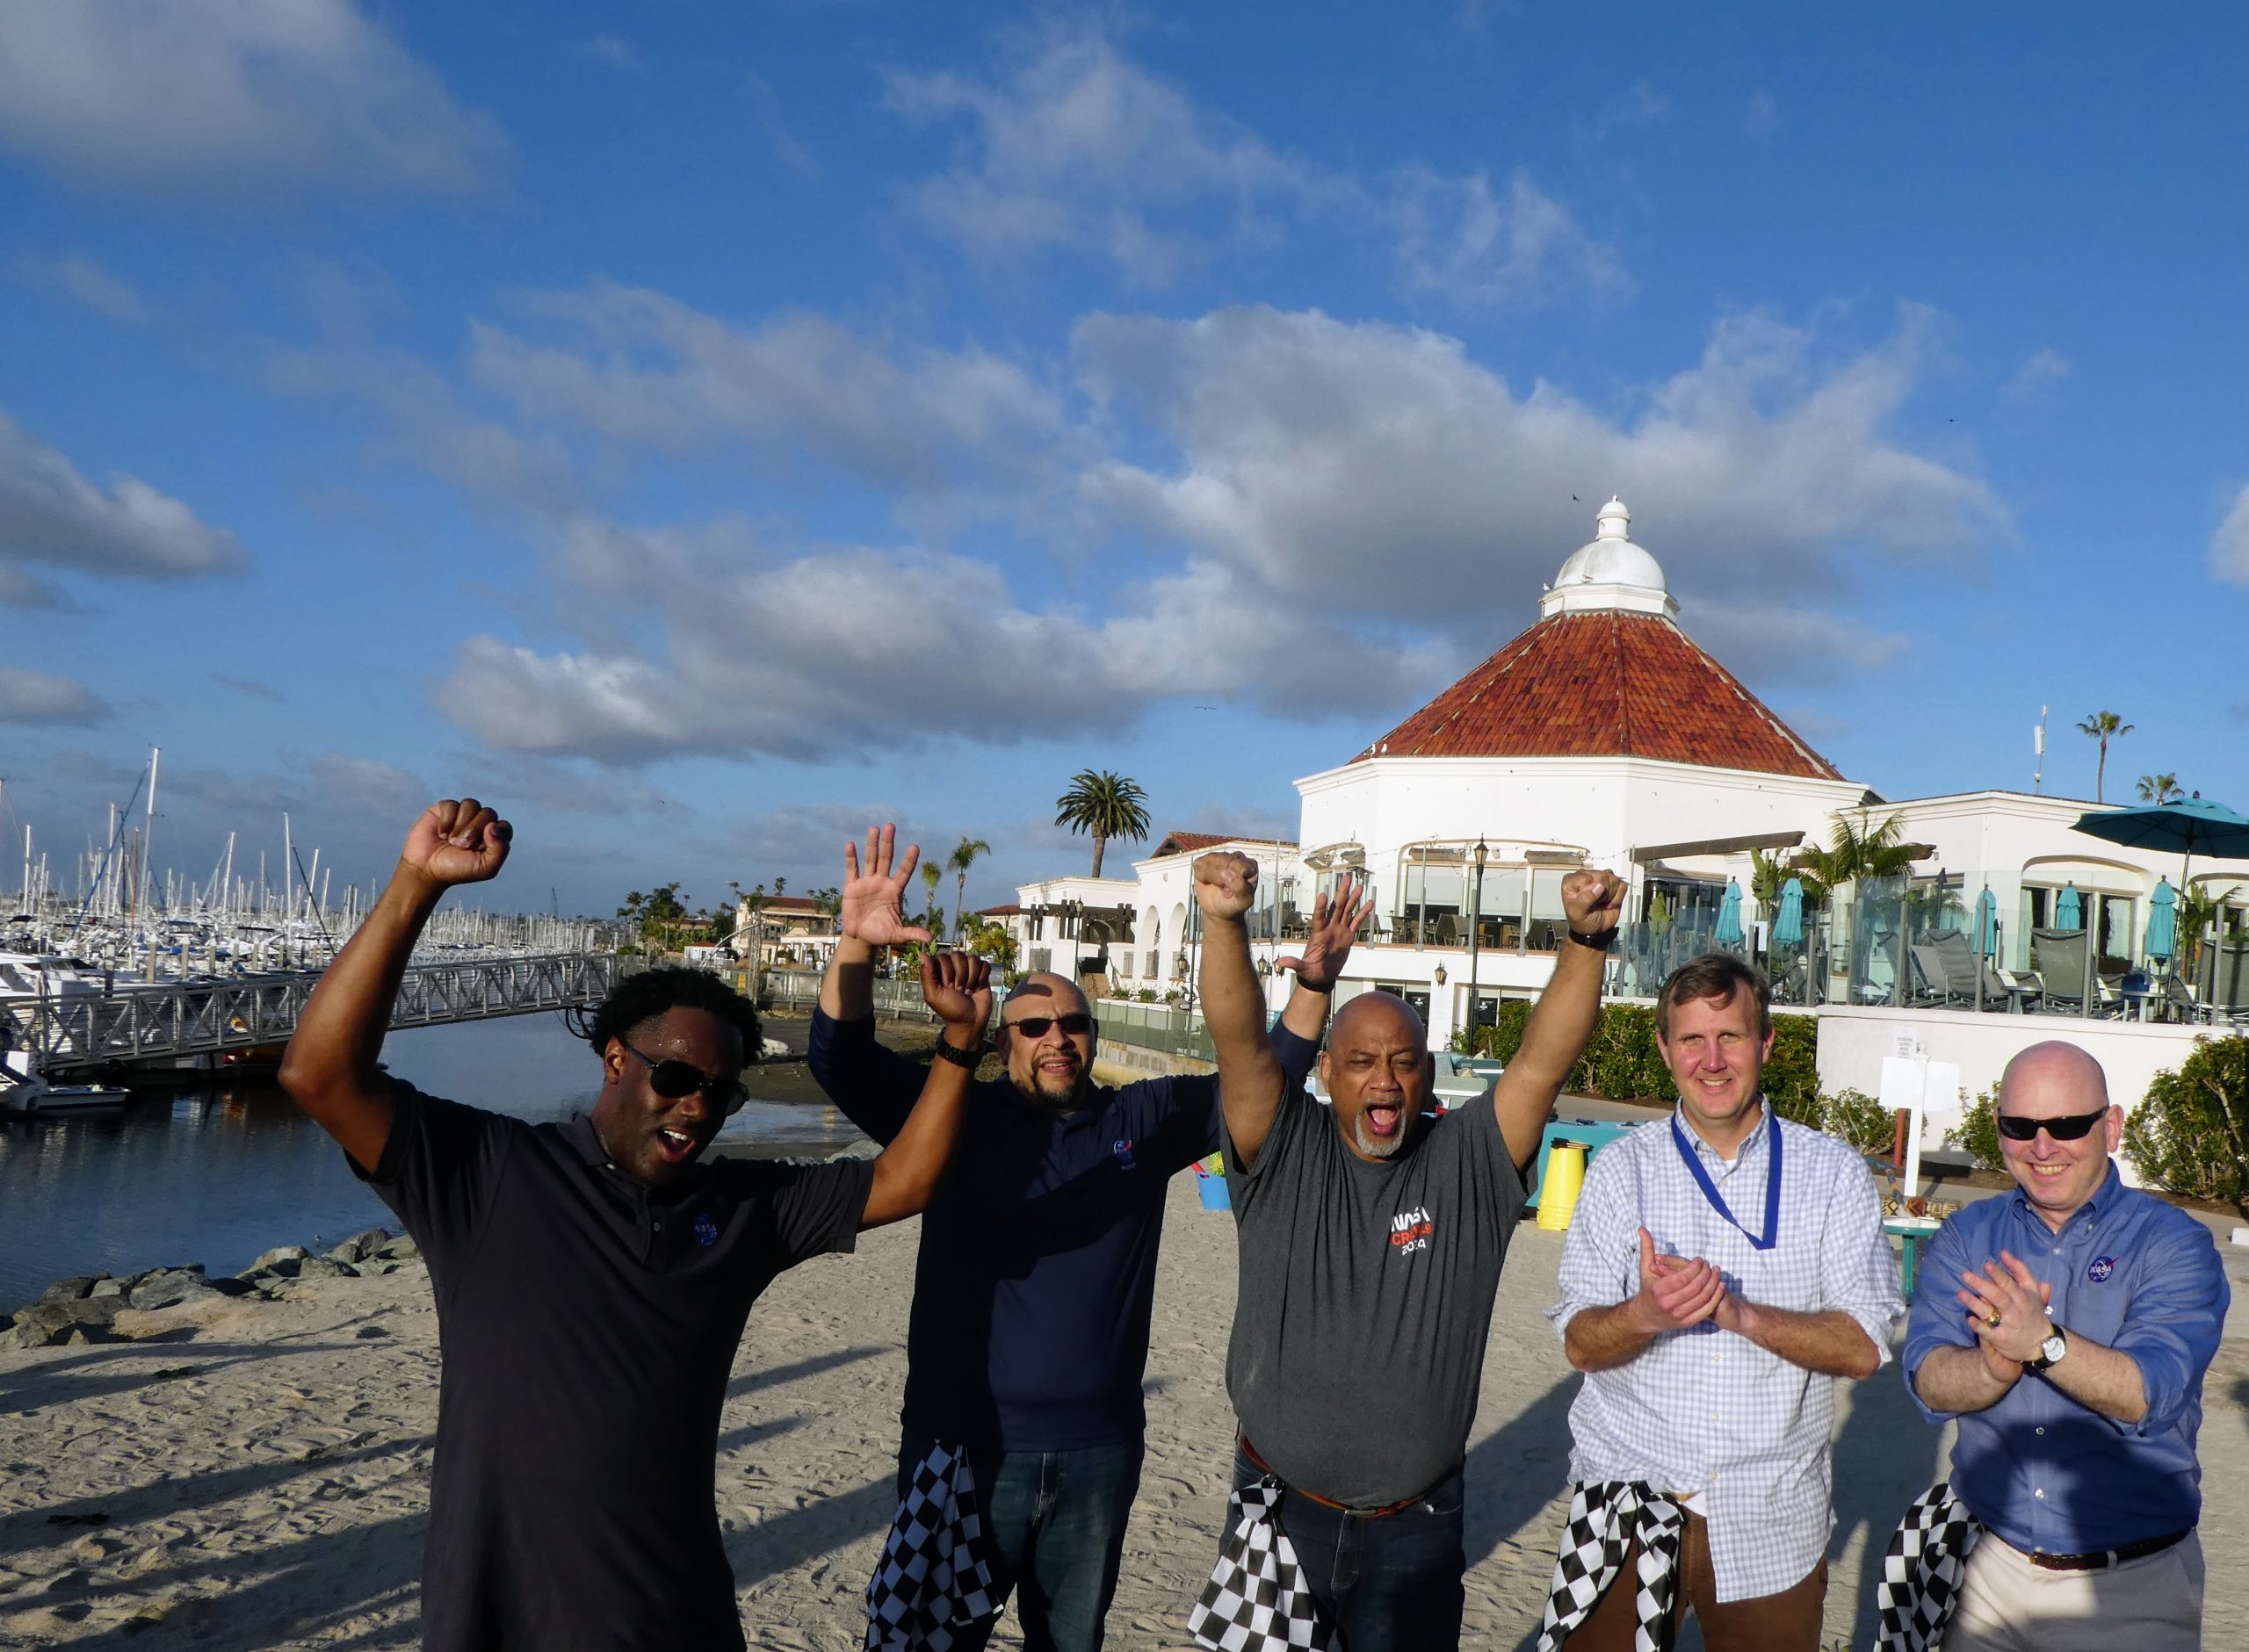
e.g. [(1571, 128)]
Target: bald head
[(1064, 994), (1386, 1010), (2068, 1075)]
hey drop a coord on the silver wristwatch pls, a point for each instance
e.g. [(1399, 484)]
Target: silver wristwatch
[(2050, 1352)]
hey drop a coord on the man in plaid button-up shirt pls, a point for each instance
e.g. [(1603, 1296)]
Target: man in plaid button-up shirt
[(1713, 1313)]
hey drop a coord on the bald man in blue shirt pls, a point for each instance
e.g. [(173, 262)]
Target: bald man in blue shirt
[(2067, 1327)]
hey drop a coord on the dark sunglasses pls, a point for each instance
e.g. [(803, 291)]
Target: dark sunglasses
[(1074, 1026), (672, 1079), (2073, 1127)]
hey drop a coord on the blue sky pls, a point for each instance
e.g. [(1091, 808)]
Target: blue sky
[(699, 427)]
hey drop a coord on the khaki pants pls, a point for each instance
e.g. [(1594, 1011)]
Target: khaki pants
[(1785, 1622), (2150, 1605)]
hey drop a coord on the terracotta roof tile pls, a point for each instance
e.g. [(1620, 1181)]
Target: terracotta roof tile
[(1605, 685), (1193, 842)]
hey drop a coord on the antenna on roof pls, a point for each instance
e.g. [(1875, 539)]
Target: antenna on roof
[(2038, 751)]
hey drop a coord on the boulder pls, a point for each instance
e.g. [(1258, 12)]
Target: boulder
[(68, 1290), (169, 1286), (43, 1325), (325, 1267), (360, 1246), (401, 1249), (110, 1288), (279, 1254)]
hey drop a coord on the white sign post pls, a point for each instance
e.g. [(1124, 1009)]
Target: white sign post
[(1912, 1085)]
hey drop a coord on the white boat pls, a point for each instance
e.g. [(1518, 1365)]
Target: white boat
[(23, 1089)]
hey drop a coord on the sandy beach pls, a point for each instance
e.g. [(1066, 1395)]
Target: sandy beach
[(249, 1473)]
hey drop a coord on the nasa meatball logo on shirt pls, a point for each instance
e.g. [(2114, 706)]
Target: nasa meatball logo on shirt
[(2099, 1268)]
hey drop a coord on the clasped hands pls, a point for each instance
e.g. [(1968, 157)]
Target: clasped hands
[(1677, 1292), (2006, 1310)]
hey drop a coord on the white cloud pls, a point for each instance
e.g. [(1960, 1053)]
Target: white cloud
[(2040, 370), (234, 93), (1514, 250), (1076, 145), (642, 368), (612, 51), (817, 655), (2229, 545), (787, 149), (1639, 104), (1379, 467), (51, 514), (83, 281), (33, 697)]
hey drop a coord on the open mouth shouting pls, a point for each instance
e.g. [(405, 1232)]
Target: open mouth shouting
[(675, 1146)]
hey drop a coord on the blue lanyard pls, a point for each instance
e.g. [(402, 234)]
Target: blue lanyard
[(1709, 1191)]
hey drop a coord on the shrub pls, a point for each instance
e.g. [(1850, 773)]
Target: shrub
[(1792, 1070), (1624, 1063), (1860, 1120), (1979, 1131), (2187, 1136)]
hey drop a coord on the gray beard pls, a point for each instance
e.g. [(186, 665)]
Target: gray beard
[(1061, 1109)]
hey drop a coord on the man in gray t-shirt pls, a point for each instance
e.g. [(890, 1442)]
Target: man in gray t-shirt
[(1370, 1241)]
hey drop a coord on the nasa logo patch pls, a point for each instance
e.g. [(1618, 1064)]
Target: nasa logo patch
[(707, 1231), (1124, 1151), (2099, 1268)]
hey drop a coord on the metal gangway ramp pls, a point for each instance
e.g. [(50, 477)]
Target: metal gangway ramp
[(156, 1025)]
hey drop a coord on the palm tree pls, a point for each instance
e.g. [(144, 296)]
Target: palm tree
[(2160, 789), (1855, 853), (1104, 806), (932, 875), (960, 860), (2103, 726)]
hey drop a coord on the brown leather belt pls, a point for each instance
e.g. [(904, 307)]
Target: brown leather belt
[(2101, 1559), (1387, 1509)]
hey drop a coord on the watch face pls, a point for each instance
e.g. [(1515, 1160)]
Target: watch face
[(2052, 1348)]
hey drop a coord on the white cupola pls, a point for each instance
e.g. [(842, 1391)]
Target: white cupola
[(1610, 574)]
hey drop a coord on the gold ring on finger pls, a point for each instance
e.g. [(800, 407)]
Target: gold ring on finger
[(1992, 1320)]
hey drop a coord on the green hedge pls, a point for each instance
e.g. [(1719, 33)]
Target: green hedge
[(1979, 1131), (2189, 1133)]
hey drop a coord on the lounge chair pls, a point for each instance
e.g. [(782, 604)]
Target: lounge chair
[(2181, 1004), (2059, 956)]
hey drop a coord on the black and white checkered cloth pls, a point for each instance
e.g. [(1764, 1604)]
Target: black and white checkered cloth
[(1606, 1517), (931, 1579), (1257, 1599), (1922, 1571)]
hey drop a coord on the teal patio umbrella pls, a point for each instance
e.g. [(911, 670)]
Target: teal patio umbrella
[(1728, 933), (1987, 925), (2195, 827), (2068, 914), (1788, 923), (2163, 922)]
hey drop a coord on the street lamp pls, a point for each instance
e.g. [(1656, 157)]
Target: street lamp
[(1475, 925)]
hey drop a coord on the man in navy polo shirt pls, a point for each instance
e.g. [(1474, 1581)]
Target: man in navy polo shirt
[(592, 1279), (1037, 1275), (2066, 1327)]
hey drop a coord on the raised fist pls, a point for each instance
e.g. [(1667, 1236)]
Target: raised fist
[(1594, 900), (958, 986), (1225, 883), (457, 842)]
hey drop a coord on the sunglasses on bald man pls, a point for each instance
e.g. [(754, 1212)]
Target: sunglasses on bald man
[(1076, 1024), (2071, 1127)]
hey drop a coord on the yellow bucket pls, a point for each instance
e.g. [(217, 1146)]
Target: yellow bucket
[(1558, 1193)]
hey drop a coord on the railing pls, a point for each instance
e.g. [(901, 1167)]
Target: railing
[(800, 990), (151, 1024), (1158, 1027)]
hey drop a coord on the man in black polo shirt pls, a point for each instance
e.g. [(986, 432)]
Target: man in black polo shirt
[(592, 1279), (1036, 1276), (1371, 1240)]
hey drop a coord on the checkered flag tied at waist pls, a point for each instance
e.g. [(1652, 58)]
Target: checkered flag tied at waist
[(1257, 1599), (1922, 1571), (1606, 1517), (931, 1579)]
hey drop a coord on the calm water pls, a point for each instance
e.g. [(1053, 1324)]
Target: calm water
[(218, 1176)]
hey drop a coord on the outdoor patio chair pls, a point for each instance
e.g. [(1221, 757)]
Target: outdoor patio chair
[(1932, 981), (2180, 1002), (2059, 955), (1448, 928)]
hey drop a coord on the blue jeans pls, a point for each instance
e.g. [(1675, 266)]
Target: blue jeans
[(1054, 1528), (1390, 1583)]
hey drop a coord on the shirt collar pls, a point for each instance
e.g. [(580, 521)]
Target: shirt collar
[(1756, 1132), (578, 1131)]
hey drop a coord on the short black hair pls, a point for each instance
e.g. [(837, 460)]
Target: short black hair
[(1715, 975), (649, 993)]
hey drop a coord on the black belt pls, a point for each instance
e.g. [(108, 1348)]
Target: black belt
[(2102, 1559), (1382, 1513)]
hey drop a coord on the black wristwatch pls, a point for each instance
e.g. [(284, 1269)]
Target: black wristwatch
[(2050, 1352), (969, 1058), (1601, 942)]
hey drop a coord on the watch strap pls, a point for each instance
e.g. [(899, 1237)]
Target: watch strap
[(1601, 942), (959, 1057), (2046, 1361)]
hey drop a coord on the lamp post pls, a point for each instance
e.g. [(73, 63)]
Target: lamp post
[(1475, 925)]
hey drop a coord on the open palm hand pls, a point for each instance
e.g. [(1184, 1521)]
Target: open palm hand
[(870, 905), (1335, 921)]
